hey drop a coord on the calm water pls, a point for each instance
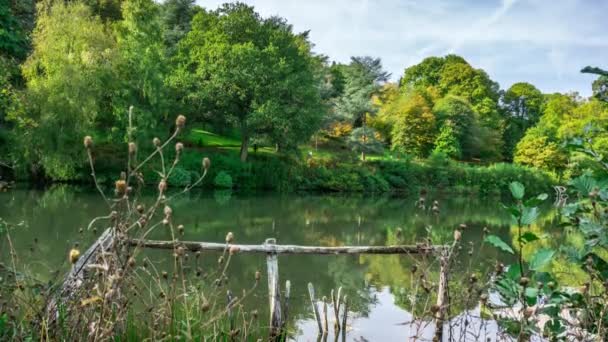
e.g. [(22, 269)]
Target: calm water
[(378, 286)]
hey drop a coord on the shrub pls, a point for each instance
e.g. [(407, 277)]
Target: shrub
[(223, 180)]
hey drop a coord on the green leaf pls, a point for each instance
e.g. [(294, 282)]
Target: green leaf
[(531, 294), (529, 216), (517, 190), (541, 258), (513, 210), (498, 243), (536, 201), (528, 237)]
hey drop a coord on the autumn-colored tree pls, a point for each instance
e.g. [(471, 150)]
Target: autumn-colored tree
[(537, 150), (415, 125)]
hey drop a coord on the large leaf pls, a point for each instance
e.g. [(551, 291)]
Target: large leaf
[(498, 243), (528, 237), (541, 258), (536, 201), (529, 216), (517, 190), (584, 184)]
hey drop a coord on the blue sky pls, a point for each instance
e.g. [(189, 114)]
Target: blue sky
[(544, 42)]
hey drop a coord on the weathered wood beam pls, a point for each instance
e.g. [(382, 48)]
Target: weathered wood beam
[(76, 277), (274, 291), (289, 249)]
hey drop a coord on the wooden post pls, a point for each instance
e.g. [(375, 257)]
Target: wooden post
[(442, 295), (315, 309), (337, 302), (325, 318), (344, 317), (286, 306), (274, 292)]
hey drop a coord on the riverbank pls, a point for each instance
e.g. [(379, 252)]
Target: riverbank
[(323, 172)]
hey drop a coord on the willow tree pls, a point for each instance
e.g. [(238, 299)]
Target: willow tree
[(249, 71), (67, 78)]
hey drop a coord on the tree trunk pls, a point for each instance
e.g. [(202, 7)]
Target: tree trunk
[(244, 145)]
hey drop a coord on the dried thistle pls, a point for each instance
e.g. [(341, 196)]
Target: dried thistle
[(206, 163), (74, 255), (180, 122), (88, 142), (132, 148), (121, 187), (229, 237), (179, 147), (156, 142)]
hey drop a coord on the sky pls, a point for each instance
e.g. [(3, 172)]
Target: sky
[(544, 42)]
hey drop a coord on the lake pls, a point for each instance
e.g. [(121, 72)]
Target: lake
[(379, 287)]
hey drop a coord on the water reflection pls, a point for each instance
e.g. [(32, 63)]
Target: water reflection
[(383, 290)]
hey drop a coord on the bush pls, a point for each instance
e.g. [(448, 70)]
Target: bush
[(223, 180)]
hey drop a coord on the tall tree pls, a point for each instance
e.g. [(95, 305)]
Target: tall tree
[(67, 75), (523, 105), (364, 78), (142, 66), (453, 75), (415, 124), (252, 72), (457, 113), (177, 17)]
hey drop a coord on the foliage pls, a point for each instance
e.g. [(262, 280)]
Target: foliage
[(363, 79), (447, 142), (415, 125), (67, 81), (223, 180), (536, 150), (141, 68), (215, 74), (523, 105), (364, 140)]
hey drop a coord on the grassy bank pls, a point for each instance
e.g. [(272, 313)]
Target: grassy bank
[(329, 167)]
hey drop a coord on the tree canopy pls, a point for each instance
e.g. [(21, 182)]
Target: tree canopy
[(252, 72)]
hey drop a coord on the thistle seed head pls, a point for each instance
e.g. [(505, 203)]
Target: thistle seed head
[(229, 237), (179, 147), (74, 255), (132, 148), (88, 142), (180, 122), (121, 187)]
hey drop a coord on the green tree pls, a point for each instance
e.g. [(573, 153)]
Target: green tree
[(447, 141), (363, 140), (364, 78), (415, 125), (453, 75), (141, 68), (67, 87), (459, 115), (537, 150), (252, 72), (176, 18), (523, 105)]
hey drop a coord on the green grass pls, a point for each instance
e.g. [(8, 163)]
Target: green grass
[(205, 138)]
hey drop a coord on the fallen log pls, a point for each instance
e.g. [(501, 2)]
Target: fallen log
[(76, 277), (288, 249)]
